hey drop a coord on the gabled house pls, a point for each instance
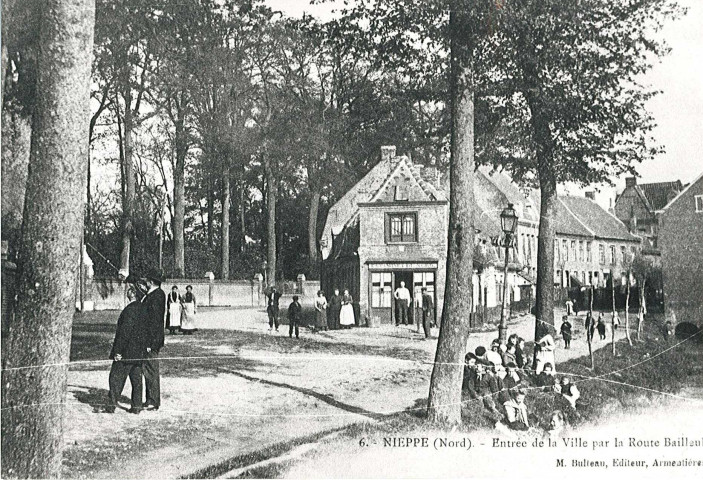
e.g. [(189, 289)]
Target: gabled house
[(681, 234), (390, 227), (639, 205)]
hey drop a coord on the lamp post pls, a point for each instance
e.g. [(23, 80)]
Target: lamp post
[(508, 223)]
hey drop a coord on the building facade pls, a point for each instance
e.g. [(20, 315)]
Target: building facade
[(639, 206), (591, 245), (681, 234), (391, 227)]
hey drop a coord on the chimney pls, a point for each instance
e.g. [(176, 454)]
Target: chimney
[(387, 152), (591, 195), (630, 182)]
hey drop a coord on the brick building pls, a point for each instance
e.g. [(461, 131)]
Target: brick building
[(392, 227), (639, 206), (681, 235)]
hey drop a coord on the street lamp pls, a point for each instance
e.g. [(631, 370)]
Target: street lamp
[(508, 223)]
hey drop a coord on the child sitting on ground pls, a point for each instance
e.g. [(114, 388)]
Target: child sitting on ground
[(516, 411), (546, 377), (568, 390)]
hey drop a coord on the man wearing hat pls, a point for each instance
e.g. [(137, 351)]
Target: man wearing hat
[(128, 350), (155, 303)]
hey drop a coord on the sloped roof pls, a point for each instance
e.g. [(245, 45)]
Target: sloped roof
[(567, 222), (659, 194), (596, 220), (404, 165), (683, 191)]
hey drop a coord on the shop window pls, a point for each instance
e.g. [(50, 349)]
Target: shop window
[(381, 290)]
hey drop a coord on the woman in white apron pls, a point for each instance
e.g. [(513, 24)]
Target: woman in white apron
[(173, 319), (346, 316), (189, 309)]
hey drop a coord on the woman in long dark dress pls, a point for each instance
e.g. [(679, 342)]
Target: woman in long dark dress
[(321, 311)]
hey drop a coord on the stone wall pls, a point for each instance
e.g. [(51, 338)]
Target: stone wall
[(109, 293)]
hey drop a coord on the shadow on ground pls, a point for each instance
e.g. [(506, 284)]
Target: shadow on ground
[(181, 355), (97, 398)]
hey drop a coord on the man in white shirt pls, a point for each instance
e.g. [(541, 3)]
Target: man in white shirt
[(402, 301)]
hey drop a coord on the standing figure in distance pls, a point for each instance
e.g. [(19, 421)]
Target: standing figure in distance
[(418, 313), (346, 316), (402, 302), (155, 303), (173, 315), (569, 307), (566, 331), (335, 307), (321, 311), (294, 312), (272, 308), (427, 312), (601, 326), (128, 350), (189, 310)]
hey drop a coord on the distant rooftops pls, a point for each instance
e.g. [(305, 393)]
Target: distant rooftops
[(658, 194)]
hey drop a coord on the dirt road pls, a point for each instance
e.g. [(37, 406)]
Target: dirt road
[(235, 387)]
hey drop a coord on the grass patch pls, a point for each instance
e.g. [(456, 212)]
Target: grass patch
[(259, 456), (629, 381)]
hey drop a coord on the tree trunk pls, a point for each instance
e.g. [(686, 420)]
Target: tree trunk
[(179, 197), (643, 310), (271, 194), (542, 136), (444, 402), (612, 319), (312, 226), (242, 225), (210, 210), (40, 334), (627, 311), (129, 187), (224, 245), (545, 251), (589, 337)]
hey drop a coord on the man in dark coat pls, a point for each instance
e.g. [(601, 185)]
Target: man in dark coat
[(294, 313), (272, 309), (155, 303), (335, 306), (128, 351), (427, 311)]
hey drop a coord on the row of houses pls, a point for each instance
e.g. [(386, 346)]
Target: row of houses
[(391, 227)]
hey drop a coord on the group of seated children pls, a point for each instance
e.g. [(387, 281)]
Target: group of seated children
[(500, 376)]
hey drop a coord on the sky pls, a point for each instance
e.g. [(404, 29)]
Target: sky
[(678, 110)]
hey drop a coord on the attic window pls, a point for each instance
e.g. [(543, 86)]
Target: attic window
[(401, 193), (699, 203)]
